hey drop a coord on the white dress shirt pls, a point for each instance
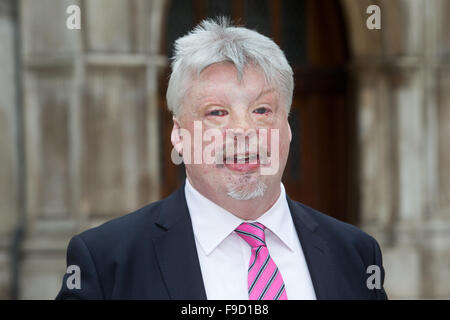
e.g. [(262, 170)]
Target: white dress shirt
[(224, 256)]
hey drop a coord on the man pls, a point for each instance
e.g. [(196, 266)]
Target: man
[(230, 232)]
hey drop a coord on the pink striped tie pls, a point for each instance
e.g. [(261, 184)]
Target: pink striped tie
[(264, 279)]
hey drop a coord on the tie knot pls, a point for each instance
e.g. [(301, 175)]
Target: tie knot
[(252, 233)]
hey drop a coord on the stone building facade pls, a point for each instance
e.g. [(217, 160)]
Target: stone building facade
[(79, 142)]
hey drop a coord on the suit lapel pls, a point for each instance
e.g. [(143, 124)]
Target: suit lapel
[(176, 251), (177, 256), (317, 253)]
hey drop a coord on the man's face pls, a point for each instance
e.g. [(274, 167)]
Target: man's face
[(217, 101)]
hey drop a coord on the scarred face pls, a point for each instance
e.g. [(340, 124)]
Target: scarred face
[(239, 110)]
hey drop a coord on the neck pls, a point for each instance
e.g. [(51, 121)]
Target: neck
[(243, 209)]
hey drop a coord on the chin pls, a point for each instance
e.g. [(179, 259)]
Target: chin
[(246, 189)]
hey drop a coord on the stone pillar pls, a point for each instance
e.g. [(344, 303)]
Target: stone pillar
[(9, 170), (401, 76), (436, 237), (91, 117)]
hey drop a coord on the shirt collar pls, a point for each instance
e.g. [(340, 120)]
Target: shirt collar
[(212, 223), (278, 220)]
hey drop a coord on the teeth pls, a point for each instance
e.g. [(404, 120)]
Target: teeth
[(241, 158)]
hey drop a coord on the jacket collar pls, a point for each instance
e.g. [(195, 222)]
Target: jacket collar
[(177, 256), (316, 250), (176, 252)]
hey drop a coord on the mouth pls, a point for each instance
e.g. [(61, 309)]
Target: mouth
[(246, 158), (243, 162)]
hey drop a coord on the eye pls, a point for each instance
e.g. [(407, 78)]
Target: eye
[(217, 113), (262, 110)]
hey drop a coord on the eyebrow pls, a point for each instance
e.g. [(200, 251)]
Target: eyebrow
[(201, 95), (263, 93)]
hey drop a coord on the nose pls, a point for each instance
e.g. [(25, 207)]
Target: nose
[(240, 124), (242, 134), (239, 132)]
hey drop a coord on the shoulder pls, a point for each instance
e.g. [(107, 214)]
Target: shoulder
[(334, 231), (350, 250), (124, 229)]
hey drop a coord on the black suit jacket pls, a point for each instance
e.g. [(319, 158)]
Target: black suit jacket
[(151, 254)]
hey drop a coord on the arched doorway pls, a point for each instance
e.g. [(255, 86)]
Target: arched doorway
[(321, 169)]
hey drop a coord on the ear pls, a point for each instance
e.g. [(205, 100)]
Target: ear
[(290, 132), (175, 137)]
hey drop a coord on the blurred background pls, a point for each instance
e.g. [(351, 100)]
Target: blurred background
[(85, 134)]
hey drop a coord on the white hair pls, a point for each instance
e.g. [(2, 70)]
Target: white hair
[(215, 41)]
